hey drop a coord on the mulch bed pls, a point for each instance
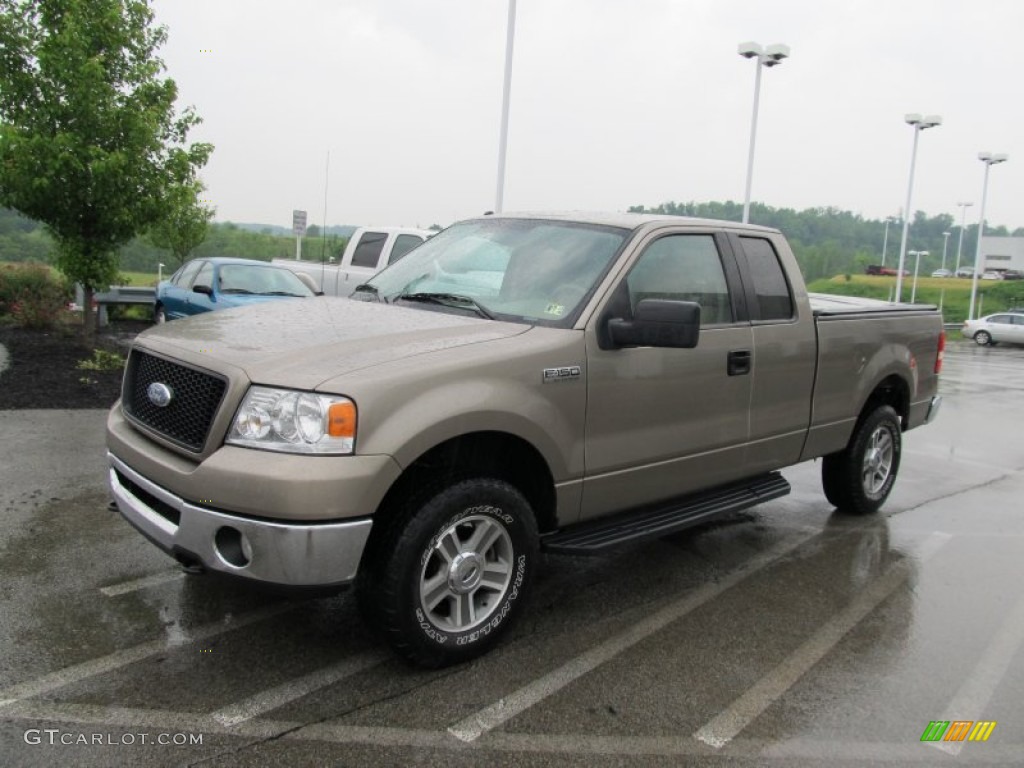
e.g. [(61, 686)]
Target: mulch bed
[(42, 367)]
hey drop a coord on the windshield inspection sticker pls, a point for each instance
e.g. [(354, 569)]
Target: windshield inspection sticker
[(555, 309)]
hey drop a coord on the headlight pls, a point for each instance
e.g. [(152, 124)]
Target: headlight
[(294, 422)]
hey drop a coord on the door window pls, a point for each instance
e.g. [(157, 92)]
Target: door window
[(403, 244), (184, 276), (683, 268), (205, 276)]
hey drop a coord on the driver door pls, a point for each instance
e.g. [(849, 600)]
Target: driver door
[(660, 421)]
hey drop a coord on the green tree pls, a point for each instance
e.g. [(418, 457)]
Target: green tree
[(186, 221), (90, 142)]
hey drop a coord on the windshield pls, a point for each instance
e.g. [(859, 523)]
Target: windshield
[(258, 279), (513, 269)]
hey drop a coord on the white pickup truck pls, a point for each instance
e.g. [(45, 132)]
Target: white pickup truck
[(369, 250)]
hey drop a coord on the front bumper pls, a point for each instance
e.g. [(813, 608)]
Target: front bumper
[(280, 553)]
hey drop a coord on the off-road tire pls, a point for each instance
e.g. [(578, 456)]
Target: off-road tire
[(858, 479), (427, 552)]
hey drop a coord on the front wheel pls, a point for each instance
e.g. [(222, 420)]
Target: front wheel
[(159, 315), (859, 478), (446, 579), (983, 338)]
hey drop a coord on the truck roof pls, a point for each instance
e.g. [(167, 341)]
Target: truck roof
[(627, 220)]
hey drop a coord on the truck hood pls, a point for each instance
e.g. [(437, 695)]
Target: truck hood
[(301, 344)]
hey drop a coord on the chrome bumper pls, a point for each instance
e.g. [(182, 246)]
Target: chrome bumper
[(288, 554), (933, 408)]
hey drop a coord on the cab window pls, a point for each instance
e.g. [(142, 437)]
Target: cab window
[(368, 249), (683, 268), (183, 277), (771, 289), (403, 244)]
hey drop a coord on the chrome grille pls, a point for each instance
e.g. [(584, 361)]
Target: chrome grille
[(194, 402)]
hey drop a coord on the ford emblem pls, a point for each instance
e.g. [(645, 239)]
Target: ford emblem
[(159, 394)]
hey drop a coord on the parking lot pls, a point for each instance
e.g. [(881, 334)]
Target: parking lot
[(785, 635)]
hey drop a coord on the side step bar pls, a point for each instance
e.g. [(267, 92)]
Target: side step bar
[(655, 522)]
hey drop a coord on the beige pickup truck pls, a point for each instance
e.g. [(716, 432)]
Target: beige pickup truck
[(516, 383)]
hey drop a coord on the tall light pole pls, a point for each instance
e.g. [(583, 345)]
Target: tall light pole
[(769, 56), (918, 123), (989, 160), (885, 240), (960, 245), (917, 264), (499, 199), (945, 244)]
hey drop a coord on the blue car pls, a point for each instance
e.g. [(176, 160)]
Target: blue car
[(202, 285)]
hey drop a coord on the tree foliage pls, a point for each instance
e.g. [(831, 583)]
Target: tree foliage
[(90, 144), (185, 222)]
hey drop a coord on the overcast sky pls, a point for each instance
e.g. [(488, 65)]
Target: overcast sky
[(614, 103)]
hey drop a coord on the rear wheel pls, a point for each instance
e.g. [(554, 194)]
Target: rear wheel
[(983, 338), (159, 316), (446, 579), (858, 479)]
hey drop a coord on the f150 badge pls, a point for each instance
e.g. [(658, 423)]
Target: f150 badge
[(564, 373)]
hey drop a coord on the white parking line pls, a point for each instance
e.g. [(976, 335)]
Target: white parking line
[(479, 723), (115, 590), (278, 696), (722, 729), (123, 658), (972, 698)]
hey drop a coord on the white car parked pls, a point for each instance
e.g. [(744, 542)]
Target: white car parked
[(1003, 326)]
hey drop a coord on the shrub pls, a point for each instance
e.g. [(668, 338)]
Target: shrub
[(32, 295)]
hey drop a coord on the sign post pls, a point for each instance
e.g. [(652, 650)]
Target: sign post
[(299, 229)]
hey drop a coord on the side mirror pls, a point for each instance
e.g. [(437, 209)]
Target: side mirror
[(203, 289), (658, 323)]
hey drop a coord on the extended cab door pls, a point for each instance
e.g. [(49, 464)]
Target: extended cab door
[(785, 350), (664, 421)]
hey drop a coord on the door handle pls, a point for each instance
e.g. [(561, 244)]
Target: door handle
[(739, 362)]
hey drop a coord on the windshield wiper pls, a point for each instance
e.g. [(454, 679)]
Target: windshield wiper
[(448, 300), (236, 290), (282, 293)]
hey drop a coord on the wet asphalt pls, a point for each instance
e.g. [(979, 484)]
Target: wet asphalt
[(787, 635)]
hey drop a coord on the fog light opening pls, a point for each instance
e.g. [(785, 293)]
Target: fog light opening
[(232, 547)]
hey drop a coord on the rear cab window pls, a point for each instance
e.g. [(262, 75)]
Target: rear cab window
[(368, 249), (770, 294)]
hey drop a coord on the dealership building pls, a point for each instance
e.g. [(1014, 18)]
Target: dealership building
[(999, 254)]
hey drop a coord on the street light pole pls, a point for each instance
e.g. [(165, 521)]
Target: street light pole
[(766, 57), (917, 264), (989, 160), (885, 239), (945, 244), (919, 124), (503, 140), (960, 245)]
